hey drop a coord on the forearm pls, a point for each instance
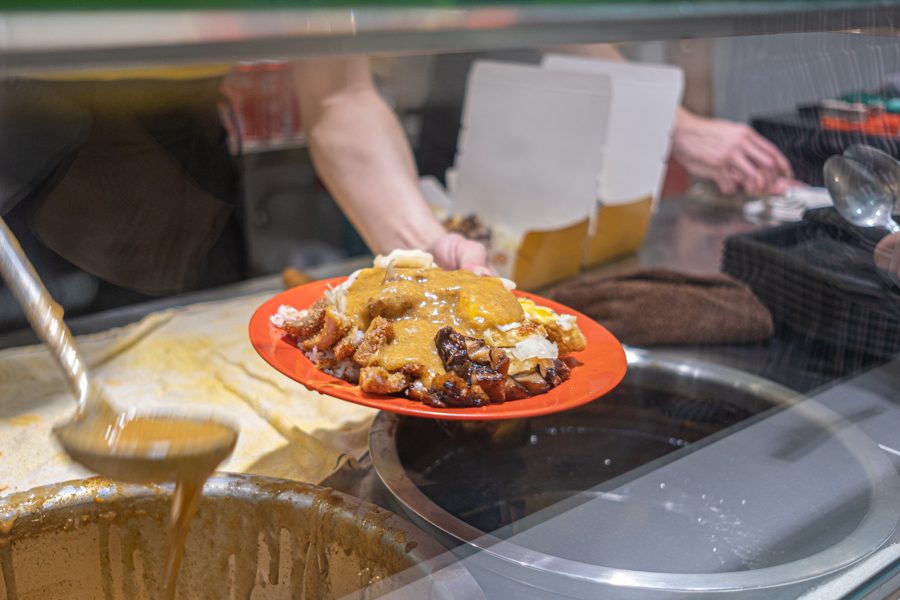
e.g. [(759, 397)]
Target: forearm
[(361, 153), (887, 256), (603, 51)]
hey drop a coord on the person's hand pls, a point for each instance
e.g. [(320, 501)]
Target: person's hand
[(887, 256), (730, 154), (453, 251)]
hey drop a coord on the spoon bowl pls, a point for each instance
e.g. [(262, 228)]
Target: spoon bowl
[(884, 166), (859, 196), (147, 448)]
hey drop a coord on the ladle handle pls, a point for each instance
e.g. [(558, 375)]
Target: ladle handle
[(44, 314)]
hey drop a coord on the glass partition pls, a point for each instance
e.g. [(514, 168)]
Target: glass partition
[(714, 183)]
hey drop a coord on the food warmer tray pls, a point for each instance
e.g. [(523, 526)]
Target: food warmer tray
[(765, 488)]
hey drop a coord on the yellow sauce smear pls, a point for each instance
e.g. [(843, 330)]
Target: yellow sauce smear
[(421, 301)]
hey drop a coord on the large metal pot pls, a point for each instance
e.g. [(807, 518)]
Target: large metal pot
[(270, 538), (481, 493)]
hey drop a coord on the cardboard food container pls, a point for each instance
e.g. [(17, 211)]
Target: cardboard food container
[(645, 99), (535, 162)]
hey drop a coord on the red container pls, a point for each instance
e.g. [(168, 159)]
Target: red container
[(262, 97)]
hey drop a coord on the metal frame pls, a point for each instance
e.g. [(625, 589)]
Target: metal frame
[(34, 41)]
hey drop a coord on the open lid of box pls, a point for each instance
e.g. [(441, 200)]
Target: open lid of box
[(531, 145), (645, 99)]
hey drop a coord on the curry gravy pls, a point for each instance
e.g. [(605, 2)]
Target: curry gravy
[(420, 301), (204, 442), (168, 436), (154, 449)]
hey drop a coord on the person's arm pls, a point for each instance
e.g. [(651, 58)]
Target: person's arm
[(732, 155), (362, 155), (602, 51), (887, 256)]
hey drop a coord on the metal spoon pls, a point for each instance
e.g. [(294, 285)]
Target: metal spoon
[(94, 437), (881, 164), (859, 196)]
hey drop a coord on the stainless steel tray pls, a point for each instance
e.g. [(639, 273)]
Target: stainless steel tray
[(744, 400)]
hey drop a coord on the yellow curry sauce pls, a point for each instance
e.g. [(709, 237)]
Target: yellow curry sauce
[(420, 301), (142, 435), (188, 450)]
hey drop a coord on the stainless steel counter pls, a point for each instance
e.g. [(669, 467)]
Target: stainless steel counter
[(686, 234), (118, 317)]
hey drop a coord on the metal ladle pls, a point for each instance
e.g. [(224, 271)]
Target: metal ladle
[(90, 437), (884, 166), (861, 197)]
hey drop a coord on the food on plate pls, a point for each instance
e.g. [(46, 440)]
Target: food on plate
[(444, 338)]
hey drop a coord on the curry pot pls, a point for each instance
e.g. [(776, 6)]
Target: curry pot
[(271, 538)]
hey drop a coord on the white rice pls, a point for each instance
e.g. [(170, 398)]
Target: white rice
[(286, 313), (534, 346), (345, 369), (414, 259), (337, 296)]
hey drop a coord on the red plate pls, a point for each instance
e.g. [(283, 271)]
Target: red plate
[(603, 366)]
